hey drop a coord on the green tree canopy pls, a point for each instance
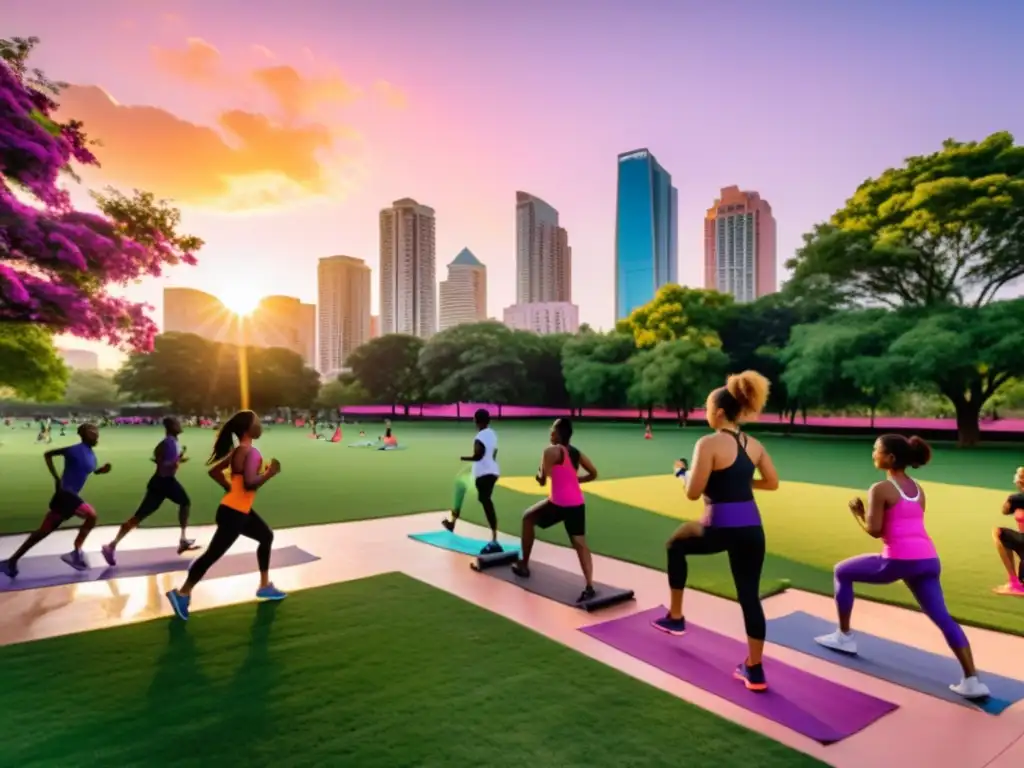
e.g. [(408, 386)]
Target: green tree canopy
[(30, 366), (946, 228), (92, 389), (677, 374), (675, 313), (387, 368), (476, 361), (596, 370)]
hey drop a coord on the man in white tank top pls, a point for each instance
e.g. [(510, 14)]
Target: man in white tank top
[(485, 473)]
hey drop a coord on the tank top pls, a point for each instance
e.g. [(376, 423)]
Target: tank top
[(240, 498), (903, 531), (729, 494), (565, 483)]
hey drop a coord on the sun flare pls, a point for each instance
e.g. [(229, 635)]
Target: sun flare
[(239, 301)]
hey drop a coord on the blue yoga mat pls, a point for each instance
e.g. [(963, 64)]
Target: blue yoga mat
[(51, 571), (918, 670), (455, 543)]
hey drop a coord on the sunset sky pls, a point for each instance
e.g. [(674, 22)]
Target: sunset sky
[(282, 128)]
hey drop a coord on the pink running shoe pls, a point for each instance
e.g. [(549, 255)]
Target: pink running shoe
[(1013, 589)]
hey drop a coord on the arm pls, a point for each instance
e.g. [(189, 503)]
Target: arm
[(478, 452), (872, 520), (591, 471), (251, 472), (547, 461), (217, 473), (48, 458), (769, 476), (699, 472)]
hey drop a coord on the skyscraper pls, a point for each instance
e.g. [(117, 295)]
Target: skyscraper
[(464, 293), (284, 321), (739, 245), (408, 288), (343, 301), (646, 231), (543, 255)]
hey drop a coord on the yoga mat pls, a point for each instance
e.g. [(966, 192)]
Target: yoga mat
[(560, 586), (461, 544), (51, 571), (893, 662), (812, 706)]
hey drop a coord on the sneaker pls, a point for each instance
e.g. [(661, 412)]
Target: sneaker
[(187, 545), (109, 554), (970, 688), (76, 559), (270, 592), (492, 548), (10, 568), (588, 593), (1013, 588), (839, 641), (179, 603), (670, 626), (521, 570), (449, 525), (752, 677)]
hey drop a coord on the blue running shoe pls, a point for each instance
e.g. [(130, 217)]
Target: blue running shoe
[(270, 592), (492, 548), (179, 603), (752, 677), (670, 626)]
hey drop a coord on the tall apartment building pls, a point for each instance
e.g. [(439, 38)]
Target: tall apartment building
[(646, 231), (408, 287), (543, 255), (343, 302), (739, 245), (464, 293), (544, 317)]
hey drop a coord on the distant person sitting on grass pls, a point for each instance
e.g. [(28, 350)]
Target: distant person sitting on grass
[(1010, 542)]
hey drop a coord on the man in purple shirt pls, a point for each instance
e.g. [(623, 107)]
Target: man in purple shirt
[(79, 463), (163, 486)]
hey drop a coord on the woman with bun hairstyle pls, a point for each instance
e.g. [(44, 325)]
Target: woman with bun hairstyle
[(722, 472), (895, 514)]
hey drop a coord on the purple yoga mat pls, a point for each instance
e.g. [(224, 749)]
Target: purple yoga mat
[(817, 708), (51, 571)]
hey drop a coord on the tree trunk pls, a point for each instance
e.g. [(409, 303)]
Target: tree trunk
[(872, 417), (499, 410), (458, 410), (803, 412), (792, 420), (968, 430)]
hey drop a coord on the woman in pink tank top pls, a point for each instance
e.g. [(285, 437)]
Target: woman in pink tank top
[(1010, 541), (895, 514), (561, 463)]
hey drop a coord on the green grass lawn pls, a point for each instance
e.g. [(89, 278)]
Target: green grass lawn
[(384, 672), (328, 483)]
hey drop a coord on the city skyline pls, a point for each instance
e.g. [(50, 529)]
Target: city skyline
[(364, 109)]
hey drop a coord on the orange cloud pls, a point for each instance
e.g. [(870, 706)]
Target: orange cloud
[(249, 162), (298, 95), (391, 94), (199, 62)]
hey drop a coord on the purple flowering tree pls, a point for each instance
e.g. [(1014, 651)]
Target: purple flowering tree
[(57, 264)]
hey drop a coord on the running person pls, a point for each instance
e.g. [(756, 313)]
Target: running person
[(235, 515), (561, 462), (722, 471), (1010, 542), (895, 514), (163, 486), (79, 463), (485, 475)]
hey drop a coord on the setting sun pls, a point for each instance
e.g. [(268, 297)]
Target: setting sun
[(240, 301)]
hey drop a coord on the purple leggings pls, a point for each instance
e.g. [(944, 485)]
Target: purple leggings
[(920, 576)]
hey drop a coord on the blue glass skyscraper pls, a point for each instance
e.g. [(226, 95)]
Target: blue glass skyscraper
[(646, 229)]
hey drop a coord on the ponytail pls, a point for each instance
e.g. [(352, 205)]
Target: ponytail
[(233, 428)]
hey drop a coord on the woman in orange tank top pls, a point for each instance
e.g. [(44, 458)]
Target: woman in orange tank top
[(235, 515)]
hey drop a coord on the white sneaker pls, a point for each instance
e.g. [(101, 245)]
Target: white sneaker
[(970, 688), (839, 641)]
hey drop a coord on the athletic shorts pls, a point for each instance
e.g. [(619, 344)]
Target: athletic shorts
[(66, 504), (574, 518), (1012, 540), (159, 490), (485, 487)]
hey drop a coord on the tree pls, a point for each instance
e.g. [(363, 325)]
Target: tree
[(541, 357), (56, 263), (677, 374), (474, 362), (813, 360), (596, 370), (947, 228), (30, 365), (339, 393), (278, 377), (387, 368), (674, 313), (92, 389)]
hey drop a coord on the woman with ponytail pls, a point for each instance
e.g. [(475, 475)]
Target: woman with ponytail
[(895, 514), (235, 515), (722, 472)]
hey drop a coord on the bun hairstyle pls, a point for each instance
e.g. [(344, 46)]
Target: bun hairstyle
[(906, 452), (744, 395)]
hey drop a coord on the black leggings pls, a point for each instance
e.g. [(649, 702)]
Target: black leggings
[(745, 547), (230, 525)]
